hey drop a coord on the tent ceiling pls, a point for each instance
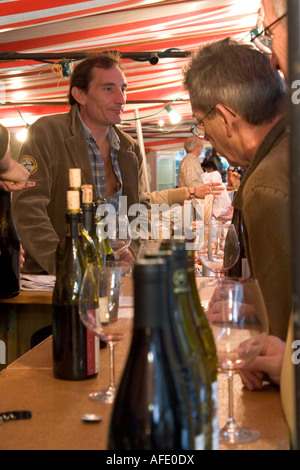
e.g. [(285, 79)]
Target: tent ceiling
[(46, 35)]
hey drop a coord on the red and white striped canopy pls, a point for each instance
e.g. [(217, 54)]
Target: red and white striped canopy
[(32, 84)]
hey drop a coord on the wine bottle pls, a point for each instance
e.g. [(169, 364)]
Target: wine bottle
[(91, 244), (102, 236), (186, 367), (75, 349), (151, 409), (205, 332), (9, 250), (187, 329)]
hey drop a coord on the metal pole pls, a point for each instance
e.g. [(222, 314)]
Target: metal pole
[(294, 116), (141, 143)]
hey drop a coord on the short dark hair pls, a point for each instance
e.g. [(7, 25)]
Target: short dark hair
[(237, 75), (82, 75)]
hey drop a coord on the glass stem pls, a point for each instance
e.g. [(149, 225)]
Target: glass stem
[(231, 424), (112, 365)]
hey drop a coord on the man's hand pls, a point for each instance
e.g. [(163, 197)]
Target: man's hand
[(267, 366), (14, 176)]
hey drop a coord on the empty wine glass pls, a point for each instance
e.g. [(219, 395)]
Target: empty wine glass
[(219, 247), (98, 310), (239, 322), (119, 233)]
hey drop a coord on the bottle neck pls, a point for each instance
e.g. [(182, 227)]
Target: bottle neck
[(87, 217), (74, 225), (150, 294)]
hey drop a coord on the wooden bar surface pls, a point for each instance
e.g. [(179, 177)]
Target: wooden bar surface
[(57, 407)]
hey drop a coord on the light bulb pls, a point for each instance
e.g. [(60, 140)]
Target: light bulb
[(175, 118), (21, 135)]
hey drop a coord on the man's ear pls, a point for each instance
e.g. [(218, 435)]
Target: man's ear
[(228, 117), (78, 95)]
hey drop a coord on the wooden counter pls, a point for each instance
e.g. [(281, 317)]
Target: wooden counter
[(57, 406)]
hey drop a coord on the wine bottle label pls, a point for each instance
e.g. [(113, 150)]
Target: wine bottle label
[(87, 194), (73, 200), (74, 177), (200, 442), (215, 416)]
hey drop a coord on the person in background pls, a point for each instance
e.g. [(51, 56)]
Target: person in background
[(190, 170), (13, 176), (241, 109)]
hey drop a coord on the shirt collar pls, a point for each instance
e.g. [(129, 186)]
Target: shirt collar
[(112, 135)]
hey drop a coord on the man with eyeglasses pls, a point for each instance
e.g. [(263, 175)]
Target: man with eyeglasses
[(275, 361), (240, 103)]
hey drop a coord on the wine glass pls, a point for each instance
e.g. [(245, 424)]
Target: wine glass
[(98, 310), (119, 233), (219, 247), (239, 322)]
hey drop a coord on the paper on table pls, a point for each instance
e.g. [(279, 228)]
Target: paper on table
[(127, 312), (37, 282)]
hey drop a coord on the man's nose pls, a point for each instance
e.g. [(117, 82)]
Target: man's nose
[(120, 97)]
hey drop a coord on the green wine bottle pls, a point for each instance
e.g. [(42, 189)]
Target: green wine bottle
[(102, 236), (186, 366), (206, 335), (75, 349), (92, 246), (188, 330)]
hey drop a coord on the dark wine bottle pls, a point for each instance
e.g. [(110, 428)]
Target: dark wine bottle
[(187, 329), (9, 250), (151, 410), (206, 335), (75, 349), (186, 366)]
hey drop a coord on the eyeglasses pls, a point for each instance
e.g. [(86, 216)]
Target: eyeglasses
[(264, 40), (198, 130)]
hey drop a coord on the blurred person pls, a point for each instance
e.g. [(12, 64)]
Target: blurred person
[(240, 104), (13, 176), (190, 170)]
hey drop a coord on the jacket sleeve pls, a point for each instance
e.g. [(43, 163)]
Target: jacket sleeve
[(36, 232)]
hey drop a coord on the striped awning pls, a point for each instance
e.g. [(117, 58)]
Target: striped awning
[(41, 40)]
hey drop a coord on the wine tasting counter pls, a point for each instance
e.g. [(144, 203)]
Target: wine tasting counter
[(57, 406)]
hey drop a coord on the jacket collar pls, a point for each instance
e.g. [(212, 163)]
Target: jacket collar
[(275, 134)]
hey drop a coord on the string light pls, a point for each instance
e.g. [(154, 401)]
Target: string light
[(175, 118)]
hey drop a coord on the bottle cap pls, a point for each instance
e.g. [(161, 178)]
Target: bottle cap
[(73, 200), (87, 193), (74, 177)]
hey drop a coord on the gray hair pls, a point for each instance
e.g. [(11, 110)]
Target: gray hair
[(191, 143), (238, 76)]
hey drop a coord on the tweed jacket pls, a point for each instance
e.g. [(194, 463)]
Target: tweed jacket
[(53, 145), (264, 201)]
